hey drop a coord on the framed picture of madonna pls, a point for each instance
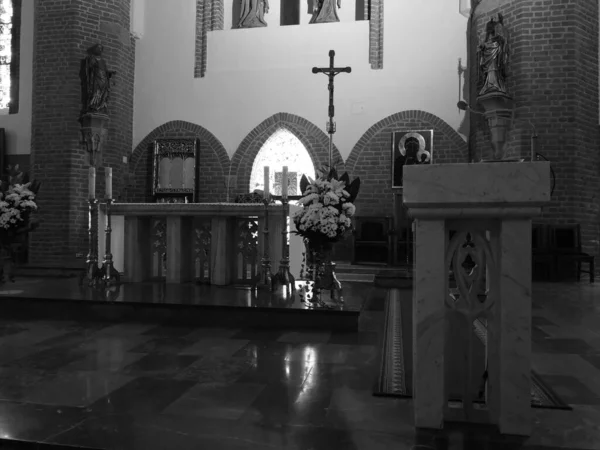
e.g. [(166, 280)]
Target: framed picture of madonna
[(410, 147)]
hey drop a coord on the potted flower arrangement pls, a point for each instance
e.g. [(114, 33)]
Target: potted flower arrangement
[(17, 203), (325, 218)]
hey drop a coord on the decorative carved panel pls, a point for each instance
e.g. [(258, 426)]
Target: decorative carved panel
[(159, 247), (202, 244), (247, 249), (469, 261), (468, 255), (175, 170)]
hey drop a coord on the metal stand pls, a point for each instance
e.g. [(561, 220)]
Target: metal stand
[(283, 281), (266, 279), (92, 274), (110, 275)]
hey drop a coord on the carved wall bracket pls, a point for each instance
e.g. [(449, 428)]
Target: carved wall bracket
[(94, 129)]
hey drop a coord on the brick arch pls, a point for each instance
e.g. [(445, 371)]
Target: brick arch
[(213, 159), (453, 147), (315, 140), (370, 159)]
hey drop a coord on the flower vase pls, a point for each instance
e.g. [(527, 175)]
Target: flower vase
[(321, 271)]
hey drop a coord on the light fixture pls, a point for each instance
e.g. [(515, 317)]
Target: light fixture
[(465, 8)]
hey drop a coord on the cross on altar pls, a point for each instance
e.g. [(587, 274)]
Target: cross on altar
[(331, 72)]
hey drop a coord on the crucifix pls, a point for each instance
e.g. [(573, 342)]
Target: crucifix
[(331, 72)]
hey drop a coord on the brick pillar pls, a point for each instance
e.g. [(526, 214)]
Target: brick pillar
[(374, 10), (209, 17), (553, 78), (64, 30)]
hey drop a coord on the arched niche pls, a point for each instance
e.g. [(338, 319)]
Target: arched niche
[(283, 148)]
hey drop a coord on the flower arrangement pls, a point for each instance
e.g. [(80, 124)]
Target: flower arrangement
[(17, 203), (328, 207)]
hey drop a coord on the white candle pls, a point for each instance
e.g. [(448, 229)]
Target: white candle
[(108, 182), (284, 182), (533, 146), (266, 189), (92, 183)]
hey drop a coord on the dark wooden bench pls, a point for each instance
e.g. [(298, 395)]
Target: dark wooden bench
[(565, 241), (372, 240)]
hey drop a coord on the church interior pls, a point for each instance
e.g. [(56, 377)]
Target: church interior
[(300, 224)]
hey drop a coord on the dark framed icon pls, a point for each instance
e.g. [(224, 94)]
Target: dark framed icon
[(410, 147), (175, 170)]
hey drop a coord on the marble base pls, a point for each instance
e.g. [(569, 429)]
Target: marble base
[(497, 201)]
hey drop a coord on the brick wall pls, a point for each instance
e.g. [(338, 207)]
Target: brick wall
[(370, 158), (213, 163), (64, 29), (209, 17), (553, 78)]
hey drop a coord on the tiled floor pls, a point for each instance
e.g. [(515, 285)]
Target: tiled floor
[(130, 386)]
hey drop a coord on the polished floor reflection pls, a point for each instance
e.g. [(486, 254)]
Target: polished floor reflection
[(143, 386)]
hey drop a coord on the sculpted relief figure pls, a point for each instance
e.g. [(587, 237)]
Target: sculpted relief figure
[(252, 14), (493, 58), (95, 81), (325, 11)]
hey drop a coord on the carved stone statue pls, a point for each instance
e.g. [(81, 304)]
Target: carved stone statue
[(325, 11), (252, 14), (95, 81), (493, 58)]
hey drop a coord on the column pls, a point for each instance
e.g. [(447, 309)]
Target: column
[(221, 252), (430, 291), (138, 246), (179, 249), (510, 333)]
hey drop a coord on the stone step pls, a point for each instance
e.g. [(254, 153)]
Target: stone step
[(47, 272)]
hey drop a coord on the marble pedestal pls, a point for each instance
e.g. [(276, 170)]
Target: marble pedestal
[(494, 203)]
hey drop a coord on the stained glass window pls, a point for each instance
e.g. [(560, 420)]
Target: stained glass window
[(281, 149), (6, 16)]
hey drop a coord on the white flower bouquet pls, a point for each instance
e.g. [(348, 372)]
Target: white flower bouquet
[(328, 208), (17, 203)]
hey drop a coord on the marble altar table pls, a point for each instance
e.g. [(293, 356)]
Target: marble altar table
[(132, 241)]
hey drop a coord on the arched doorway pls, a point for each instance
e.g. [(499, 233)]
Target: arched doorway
[(281, 149)]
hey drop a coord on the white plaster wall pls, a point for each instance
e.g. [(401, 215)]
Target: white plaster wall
[(18, 126), (255, 73)]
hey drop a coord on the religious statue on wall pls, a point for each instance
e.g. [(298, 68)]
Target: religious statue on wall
[(325, 11), (95, 81), (252, 13), (493, 58)]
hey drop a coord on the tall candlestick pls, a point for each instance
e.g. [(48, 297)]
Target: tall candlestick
[(92, 183), (533, 146), (266, 189), (108, 182), (284, 182)]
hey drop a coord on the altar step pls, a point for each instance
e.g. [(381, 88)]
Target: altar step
[(181, 304), (49, 272), (383, 276)]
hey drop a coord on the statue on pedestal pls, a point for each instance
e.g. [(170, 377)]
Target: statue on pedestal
[(95, 81), (493, 58), (252, 14), (325, 11)]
